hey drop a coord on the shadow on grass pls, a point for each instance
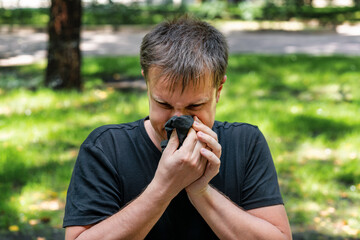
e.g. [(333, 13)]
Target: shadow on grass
[(304, 126), (294, 77)]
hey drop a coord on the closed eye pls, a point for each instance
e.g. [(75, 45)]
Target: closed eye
[(165, 105), (194, 106)]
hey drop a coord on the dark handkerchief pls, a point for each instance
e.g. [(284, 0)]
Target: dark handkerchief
[(182, 124)]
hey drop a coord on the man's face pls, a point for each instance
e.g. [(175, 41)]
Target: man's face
[(199, 100)]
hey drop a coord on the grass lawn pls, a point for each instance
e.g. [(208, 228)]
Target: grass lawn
[(307, 107)]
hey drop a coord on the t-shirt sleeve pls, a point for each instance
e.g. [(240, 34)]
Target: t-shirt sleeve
[(94, 192), (261, 187)]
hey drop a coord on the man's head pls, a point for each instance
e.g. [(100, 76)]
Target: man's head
[(184, 63), (185, 51)]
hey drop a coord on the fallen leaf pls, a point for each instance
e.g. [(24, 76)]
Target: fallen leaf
[(14, 228), (344, 195)]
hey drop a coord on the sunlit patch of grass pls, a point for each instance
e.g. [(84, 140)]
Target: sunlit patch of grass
[(40, 204)]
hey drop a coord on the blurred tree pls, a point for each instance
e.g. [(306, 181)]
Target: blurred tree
[(309, 3), (357, 3), (64, 56)]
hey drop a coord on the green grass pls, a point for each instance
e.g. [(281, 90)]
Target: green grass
[(307, 107)]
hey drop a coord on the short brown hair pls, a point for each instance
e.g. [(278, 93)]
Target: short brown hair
[(185, 49)]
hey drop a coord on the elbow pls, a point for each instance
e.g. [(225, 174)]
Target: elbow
[(75, 232)]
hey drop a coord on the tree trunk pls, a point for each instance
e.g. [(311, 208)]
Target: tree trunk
[(308, 3), (64, 56)]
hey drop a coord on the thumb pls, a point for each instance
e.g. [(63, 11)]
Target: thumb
[(173, 143)]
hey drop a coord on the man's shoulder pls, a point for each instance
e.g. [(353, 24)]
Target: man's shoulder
[(109, 130), (237, 131), (239, 134), (233, 126)]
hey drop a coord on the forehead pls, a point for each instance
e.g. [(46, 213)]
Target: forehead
[(156, 79)]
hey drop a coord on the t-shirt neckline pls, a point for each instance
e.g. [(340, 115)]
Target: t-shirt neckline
[(147, 137)]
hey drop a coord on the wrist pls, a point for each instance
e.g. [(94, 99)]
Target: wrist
[(198, 192), (160, 192)]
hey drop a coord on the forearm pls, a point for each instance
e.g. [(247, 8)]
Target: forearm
[(133, 221), (228, 221)]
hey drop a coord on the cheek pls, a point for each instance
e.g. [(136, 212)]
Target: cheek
[(158, 117), (206, 117)]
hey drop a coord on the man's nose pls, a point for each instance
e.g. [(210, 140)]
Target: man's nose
[(180, 112)]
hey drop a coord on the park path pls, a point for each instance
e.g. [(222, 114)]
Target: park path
[(26, 46)]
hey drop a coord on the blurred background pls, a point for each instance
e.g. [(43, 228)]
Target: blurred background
[(67, 67)]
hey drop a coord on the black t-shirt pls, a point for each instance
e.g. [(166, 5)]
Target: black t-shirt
[(117, 162)]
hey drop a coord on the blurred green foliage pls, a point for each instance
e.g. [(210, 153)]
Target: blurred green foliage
[(333, 15), (119, 14), (24, 16), (307, 107)]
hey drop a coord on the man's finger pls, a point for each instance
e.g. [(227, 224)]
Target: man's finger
[(210, 142), (199, 126), (210, 156), (173, 143), (190, 140), (213, 166)]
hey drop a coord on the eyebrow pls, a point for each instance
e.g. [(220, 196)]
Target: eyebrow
[(157, 99), (199, 102)]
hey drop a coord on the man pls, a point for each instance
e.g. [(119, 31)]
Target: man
[(221, 183)]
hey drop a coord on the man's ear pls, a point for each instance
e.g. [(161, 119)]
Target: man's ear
[(142, 73), (220, 88)]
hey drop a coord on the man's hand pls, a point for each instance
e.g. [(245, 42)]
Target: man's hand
[(178, 168), (211, 152)]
